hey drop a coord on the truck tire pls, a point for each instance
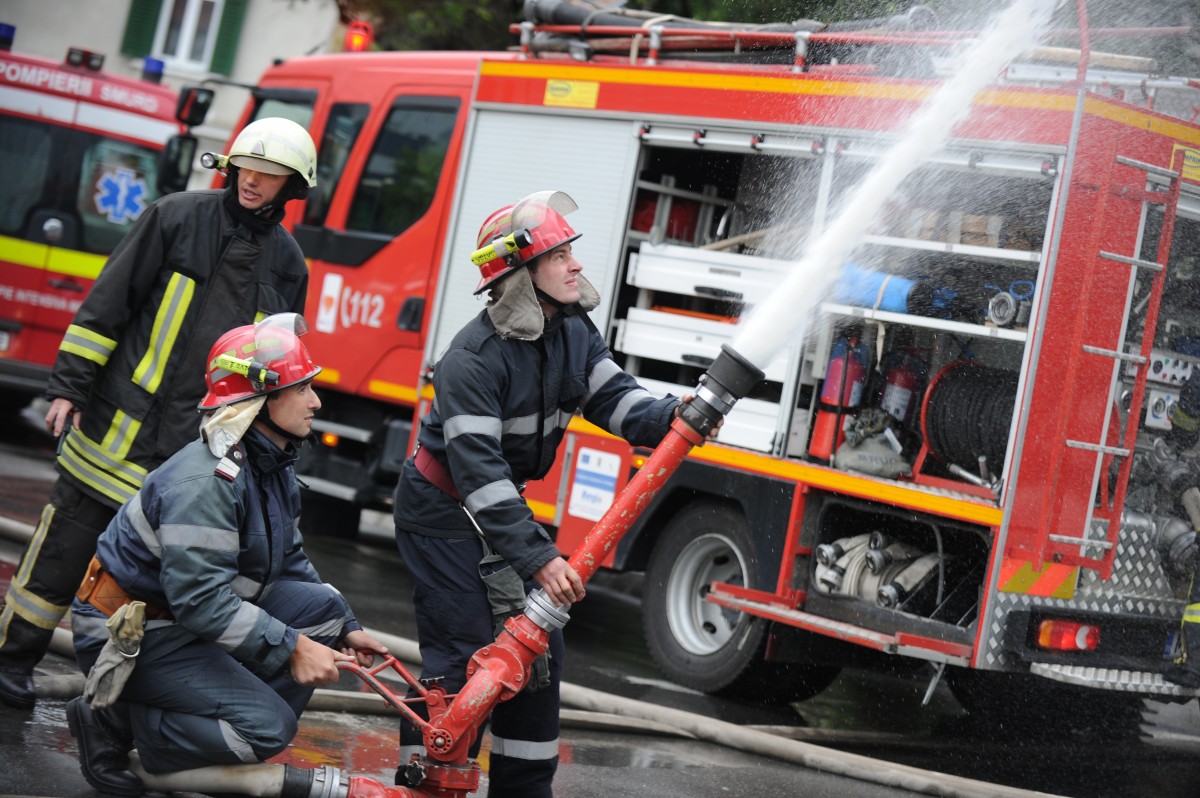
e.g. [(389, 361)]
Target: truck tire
[(327, 516), (702, 645)]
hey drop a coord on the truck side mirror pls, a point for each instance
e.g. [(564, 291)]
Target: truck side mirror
[(175, 163), (193, 105)]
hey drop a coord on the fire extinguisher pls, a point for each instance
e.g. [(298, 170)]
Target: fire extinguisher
[(842, 391), (904, 376)]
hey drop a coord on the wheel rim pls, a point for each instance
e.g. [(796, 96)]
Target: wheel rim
[(699, 626)]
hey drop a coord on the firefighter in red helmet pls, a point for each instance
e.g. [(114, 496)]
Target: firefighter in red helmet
[(206, 563), (505, 390)]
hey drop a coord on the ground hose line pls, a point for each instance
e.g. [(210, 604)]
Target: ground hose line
[(688, 724)]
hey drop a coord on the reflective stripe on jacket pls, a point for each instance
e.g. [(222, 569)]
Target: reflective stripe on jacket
[(134, 356), (208, 547), (500, 410)]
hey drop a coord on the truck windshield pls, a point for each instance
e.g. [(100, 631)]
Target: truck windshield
[(404, 168), (341, 132), (342, 127), (98, 186)]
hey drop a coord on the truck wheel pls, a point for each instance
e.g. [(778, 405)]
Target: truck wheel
[(702, 645), (325, 515)]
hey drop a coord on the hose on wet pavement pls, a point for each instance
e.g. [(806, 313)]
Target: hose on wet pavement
[(615, 709)]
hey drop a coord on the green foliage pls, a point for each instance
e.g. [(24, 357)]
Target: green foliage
[(439, 24)]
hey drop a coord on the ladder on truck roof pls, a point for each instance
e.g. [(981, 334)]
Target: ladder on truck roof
[(1096, 547)]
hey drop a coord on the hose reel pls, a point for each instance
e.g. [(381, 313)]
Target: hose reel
[(967, 414)]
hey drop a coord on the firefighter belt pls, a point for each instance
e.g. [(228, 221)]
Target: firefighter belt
[(102, 591)]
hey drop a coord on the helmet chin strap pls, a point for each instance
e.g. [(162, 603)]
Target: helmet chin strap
[(294, 188), (264, 415), (567, 309)]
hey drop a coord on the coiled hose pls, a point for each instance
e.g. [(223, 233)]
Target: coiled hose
[(967, 413)]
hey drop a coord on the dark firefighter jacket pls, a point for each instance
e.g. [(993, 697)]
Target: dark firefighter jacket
[(133, 358), (207, 546), (500, 409)]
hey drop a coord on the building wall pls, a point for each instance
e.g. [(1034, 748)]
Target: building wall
[(273, 29)]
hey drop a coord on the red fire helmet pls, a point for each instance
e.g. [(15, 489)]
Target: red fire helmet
[(540, 215), (257, 359)]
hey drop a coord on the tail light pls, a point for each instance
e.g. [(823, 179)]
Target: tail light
[(1058, 635)]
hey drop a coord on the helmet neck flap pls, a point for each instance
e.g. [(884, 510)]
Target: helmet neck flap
[(515, 309)]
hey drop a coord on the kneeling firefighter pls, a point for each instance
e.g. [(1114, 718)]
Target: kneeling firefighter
[(239, 628)]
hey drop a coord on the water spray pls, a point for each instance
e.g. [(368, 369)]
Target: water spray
[(812, 277)]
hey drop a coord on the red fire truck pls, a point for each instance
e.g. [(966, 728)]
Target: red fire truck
[(83, 156), (966, 461)]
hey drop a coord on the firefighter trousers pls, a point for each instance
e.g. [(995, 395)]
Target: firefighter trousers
[(1188, 665), (51, 569), (454, 620), (190, 704)]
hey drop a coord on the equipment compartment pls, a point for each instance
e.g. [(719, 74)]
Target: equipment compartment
[(921, 574), (946, 278)]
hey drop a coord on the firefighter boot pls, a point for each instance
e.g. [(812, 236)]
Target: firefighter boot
[(1186, 670), (16, 687), (1184, 674), (103, 750)]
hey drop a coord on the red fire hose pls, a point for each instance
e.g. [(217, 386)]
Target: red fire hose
[(500, 670)]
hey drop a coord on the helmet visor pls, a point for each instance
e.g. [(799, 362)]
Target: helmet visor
[(277, 348), (291, 322), (531, 211), (260, 165)]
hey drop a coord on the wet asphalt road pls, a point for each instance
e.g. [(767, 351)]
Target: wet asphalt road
[(39, 755), (862, 712)]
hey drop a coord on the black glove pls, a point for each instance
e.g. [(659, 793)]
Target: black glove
[(506, 595), (1185, 414)]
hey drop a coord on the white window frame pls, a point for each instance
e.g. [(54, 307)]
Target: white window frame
[(187, 35)]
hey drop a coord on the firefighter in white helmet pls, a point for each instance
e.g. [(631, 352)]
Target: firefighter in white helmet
[(505, 391), (129, 371), (276, 147)]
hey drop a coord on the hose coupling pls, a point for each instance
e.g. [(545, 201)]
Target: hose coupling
[(323, 782), (728, 379), (829, 553), (543, 612)]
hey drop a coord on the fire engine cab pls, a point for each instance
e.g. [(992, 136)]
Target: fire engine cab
[(84, 153), (967, 459)]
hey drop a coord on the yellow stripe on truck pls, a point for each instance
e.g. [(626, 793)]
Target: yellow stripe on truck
[(70, 262), (23, 253), (976, 512), (1050, 580)]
